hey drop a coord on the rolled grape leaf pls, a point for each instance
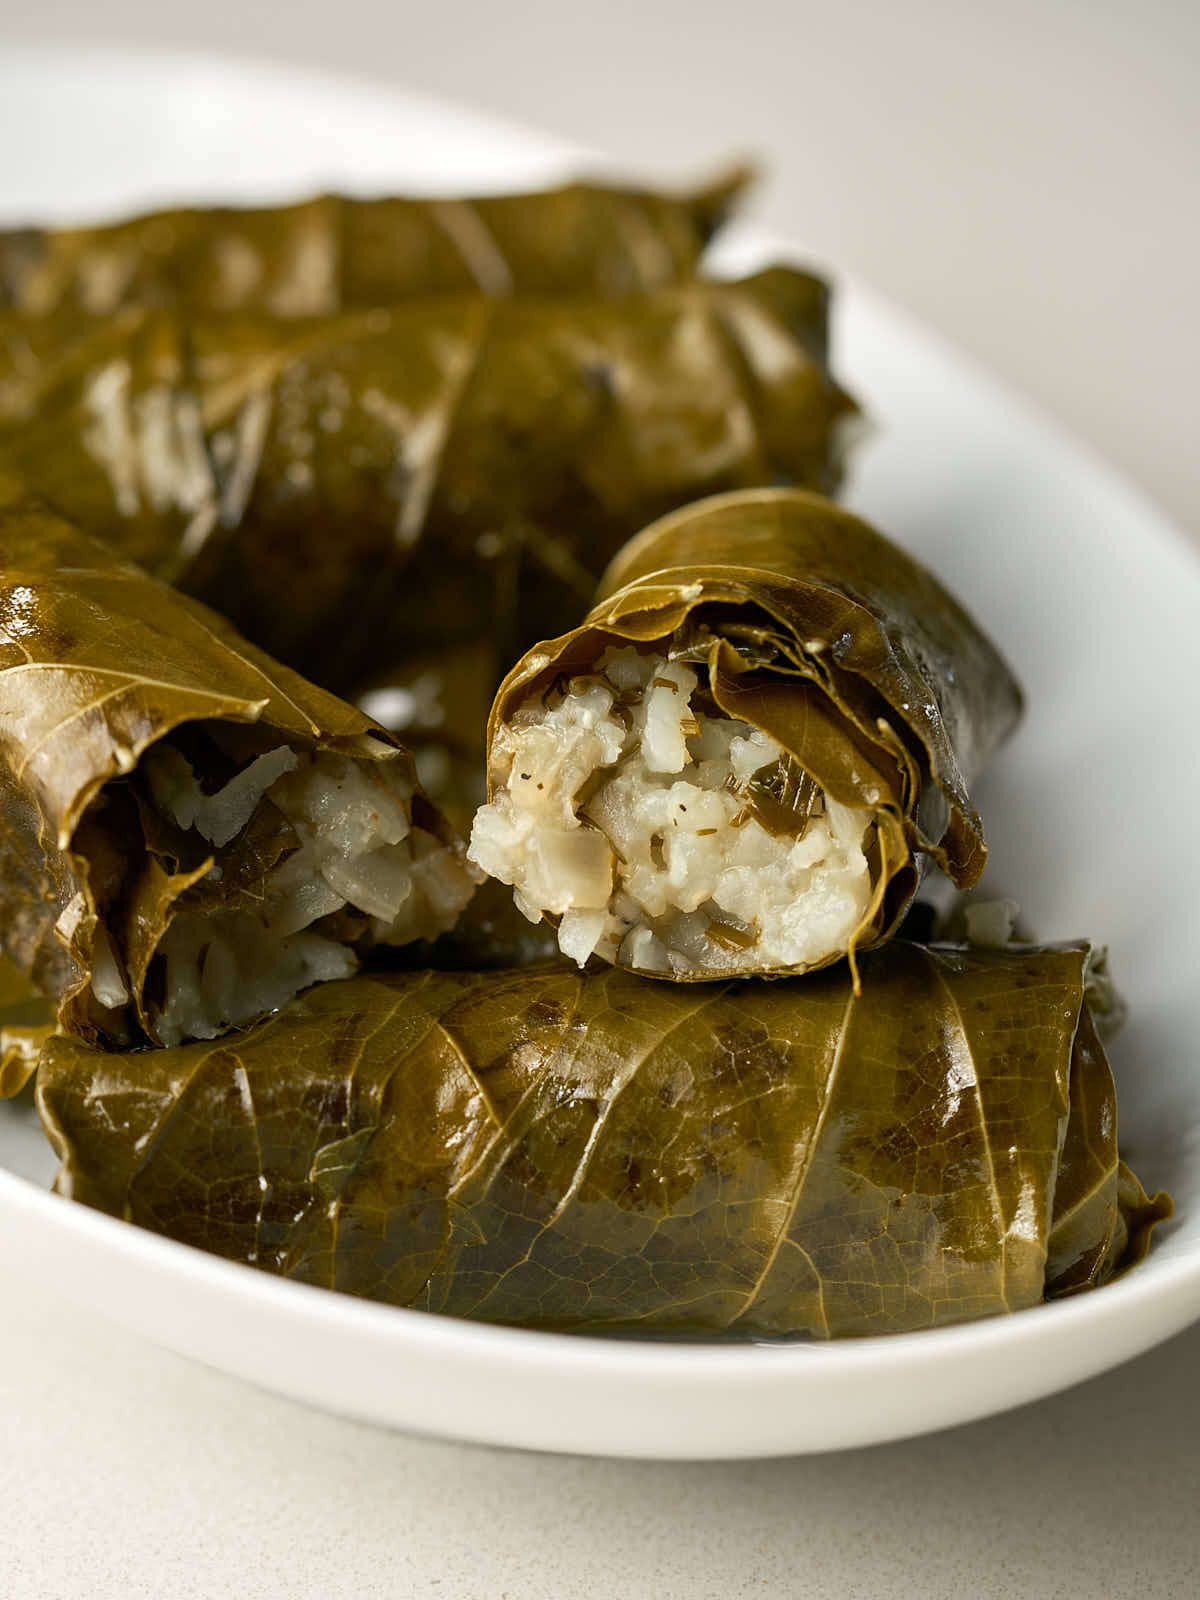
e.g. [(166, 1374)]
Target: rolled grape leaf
[(439, 481), (598, 1152), (190, 833), (333, 252), (741, 758)]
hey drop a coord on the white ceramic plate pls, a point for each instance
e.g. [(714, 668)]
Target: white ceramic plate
[(1089, 815)]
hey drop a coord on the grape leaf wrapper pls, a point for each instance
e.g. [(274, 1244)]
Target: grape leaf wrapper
[(599, 1152)]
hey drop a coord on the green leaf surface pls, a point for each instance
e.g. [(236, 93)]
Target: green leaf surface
[(336, 251), (440, 482), (600, 1152), (27, 1020)]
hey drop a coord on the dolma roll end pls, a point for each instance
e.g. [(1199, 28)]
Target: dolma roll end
[(742, 758), (192, 833)]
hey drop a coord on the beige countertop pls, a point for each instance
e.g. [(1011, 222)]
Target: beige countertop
[(130, 1474), (1022, 179)]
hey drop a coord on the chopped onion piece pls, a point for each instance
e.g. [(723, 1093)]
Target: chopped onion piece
[(355, 850), (108, 981)]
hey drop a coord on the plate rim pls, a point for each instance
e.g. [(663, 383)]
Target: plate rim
[(575, 1349)]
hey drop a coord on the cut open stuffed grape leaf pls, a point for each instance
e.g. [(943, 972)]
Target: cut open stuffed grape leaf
[(189, 832)]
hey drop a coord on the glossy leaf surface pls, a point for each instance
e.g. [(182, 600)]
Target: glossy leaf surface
[(435, 485), (598, 1151), (27, 1019)]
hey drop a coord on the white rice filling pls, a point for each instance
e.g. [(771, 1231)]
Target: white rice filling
[(358, 851), (639, 831)]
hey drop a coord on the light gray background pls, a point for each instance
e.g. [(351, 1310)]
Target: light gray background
[(1022, 176)]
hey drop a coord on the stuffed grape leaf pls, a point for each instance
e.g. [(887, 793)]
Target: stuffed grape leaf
[(432, 486), (336, 251), (598, 1151), (835, 642), (99, 666)]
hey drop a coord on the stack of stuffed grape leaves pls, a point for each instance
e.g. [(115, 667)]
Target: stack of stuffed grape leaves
[(679, 1068)]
